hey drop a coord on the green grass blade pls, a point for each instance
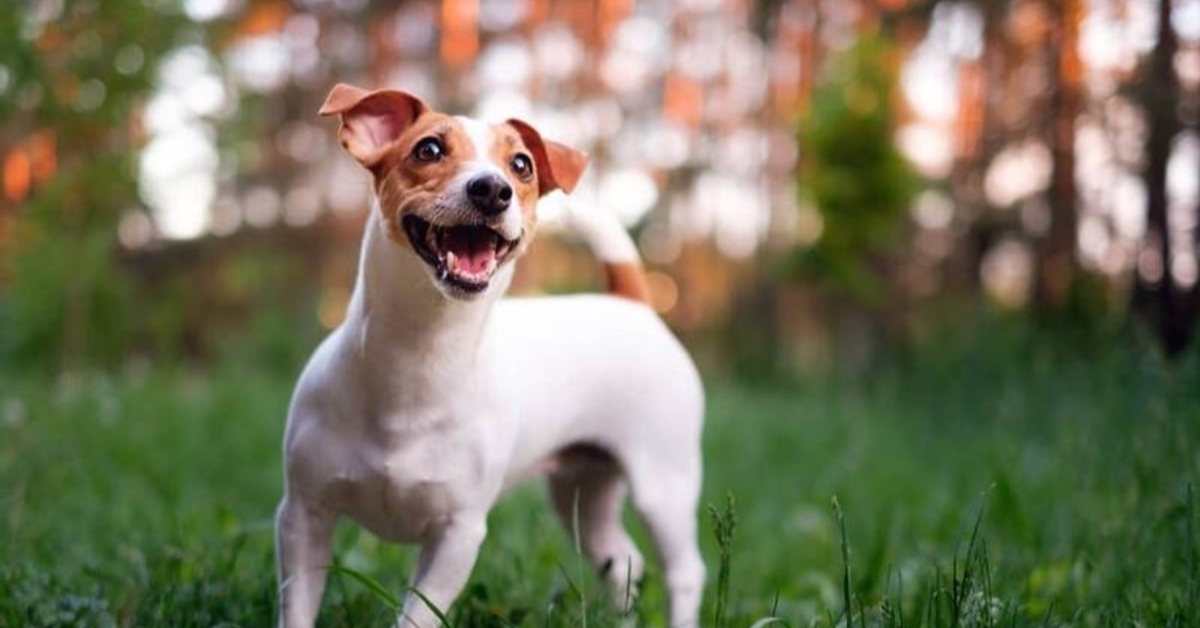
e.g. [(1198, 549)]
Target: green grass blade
[(848, 609), (433, 608), (1193, 582), (579, 568), (378, 590)]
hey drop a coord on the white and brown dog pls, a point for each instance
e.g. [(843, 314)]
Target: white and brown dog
[(435, 396)]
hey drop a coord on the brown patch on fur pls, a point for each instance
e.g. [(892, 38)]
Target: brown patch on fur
[(559, 167), (627, 279), (404, 184), (507, 144)]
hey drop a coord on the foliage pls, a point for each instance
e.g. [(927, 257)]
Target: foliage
[(851, 172), (993, 478), (77, 72)]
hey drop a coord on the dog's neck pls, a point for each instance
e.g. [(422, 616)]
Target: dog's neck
[(418, 338)]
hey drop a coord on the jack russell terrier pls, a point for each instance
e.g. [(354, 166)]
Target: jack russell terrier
[(435, 396)]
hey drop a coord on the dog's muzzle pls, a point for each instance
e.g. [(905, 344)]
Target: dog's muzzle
[(464, 257)]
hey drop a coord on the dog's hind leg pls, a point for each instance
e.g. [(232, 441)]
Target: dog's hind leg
[(666, 497), (588, 493)]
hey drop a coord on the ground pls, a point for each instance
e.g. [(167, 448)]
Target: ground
[(1013, 484)]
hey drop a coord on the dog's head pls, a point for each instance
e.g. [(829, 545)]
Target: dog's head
[(459, 193)]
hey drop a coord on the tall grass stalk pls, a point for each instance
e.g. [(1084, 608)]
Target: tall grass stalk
[(724, 522), (847, 609), (1190, 539), (964, 586), (579, 559)]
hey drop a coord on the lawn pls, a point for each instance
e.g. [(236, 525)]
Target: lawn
[(1003, 482)]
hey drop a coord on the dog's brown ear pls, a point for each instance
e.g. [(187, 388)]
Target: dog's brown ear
[(371, 120), (559, 167)]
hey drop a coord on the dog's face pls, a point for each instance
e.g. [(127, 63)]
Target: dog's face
[(458, 193)]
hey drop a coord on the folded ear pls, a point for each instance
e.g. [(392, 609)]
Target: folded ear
[(559, 167), (371, 120)]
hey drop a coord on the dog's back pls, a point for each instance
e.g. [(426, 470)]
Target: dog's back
[(611, 361)]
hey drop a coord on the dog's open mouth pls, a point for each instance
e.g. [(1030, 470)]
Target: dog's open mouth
[(463, 256)]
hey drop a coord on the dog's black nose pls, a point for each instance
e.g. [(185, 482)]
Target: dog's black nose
[(489, 193)]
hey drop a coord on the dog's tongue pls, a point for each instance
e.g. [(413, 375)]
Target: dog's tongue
[(471, 250)]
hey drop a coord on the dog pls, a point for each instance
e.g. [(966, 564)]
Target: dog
[(435, 395)]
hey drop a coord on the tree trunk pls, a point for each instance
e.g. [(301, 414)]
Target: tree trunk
[(981, 134), (1192, 297), (1157, 293), (1056, 266)]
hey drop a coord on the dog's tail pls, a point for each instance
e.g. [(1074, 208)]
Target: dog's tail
[(611, 243)]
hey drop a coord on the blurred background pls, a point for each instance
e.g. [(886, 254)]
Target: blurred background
[(813, 183)]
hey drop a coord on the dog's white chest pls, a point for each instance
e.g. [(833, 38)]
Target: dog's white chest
[(400, 501), (404, 489)]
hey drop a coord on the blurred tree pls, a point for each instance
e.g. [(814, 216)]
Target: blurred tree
[(1057, 264), (853, 175), (980, 137), (75, 73), (1158, 294)]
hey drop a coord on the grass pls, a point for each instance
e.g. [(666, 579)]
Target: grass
[(1006, 482)]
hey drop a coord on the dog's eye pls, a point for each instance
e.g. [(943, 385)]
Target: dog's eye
[(429, 150), (522, 166)]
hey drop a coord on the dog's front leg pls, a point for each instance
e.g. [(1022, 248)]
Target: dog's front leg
[(302, 542), (443, 568)]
